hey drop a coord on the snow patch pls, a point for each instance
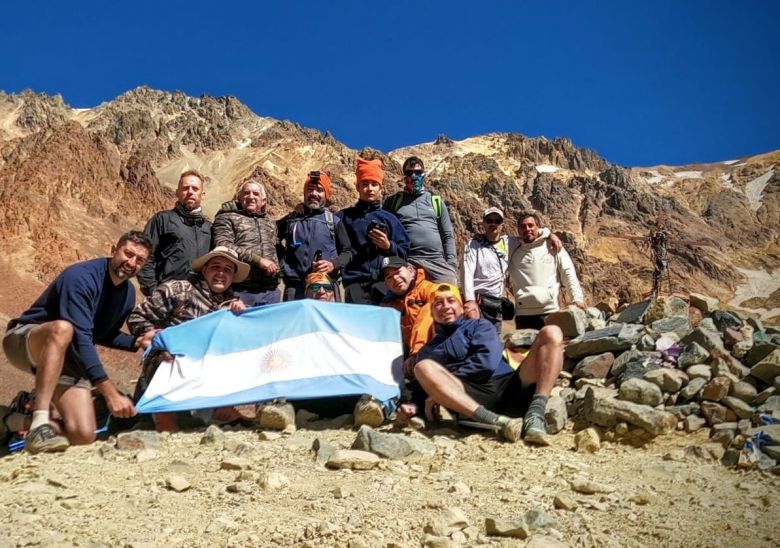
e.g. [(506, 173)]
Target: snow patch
[(655, 177), (759, 284), (725, 179), (243, 143), (688, 174), (755, 188), (729, 162), (546, 168), (81, 109)]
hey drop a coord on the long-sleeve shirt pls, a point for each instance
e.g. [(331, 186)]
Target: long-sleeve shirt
[(365, 265), (415, 309), (85, 296), (537, 275)]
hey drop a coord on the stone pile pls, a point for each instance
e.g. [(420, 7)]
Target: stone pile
[(673, 363)]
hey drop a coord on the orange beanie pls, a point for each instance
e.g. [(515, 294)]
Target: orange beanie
[(318, 277), (370, 170), (324, 180)]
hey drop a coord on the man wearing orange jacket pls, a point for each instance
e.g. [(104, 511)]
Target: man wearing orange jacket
[(411, 294)]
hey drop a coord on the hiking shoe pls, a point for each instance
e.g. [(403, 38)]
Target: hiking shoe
[(368, 411), (43, 440), (276, 415), (511, 430), (534, 431)]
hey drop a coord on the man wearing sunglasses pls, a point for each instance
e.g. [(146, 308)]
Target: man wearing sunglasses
[(320, 287), (485, 264), (427, 222), (311, 238)]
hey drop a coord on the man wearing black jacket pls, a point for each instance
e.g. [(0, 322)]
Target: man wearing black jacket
[(179, 236)]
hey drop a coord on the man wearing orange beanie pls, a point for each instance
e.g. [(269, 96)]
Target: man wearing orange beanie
[(312, 238), (374, 233)]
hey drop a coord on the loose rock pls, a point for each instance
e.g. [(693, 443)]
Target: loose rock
[(352, 459)]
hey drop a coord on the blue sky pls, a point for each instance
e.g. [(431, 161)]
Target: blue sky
[(642, 83)]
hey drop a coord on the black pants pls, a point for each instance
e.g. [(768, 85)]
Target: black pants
[(365, 292)]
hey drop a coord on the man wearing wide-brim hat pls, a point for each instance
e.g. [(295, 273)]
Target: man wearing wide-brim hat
[(177, 301)]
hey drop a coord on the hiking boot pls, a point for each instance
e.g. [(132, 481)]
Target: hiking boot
[(511, 430), (43, 440), (276, 415), (368, 411), (534, 431)]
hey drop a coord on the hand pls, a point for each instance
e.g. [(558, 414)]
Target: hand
[(322, 266), (237, 306), (406, 411), (409, 364), (118, 404), (430, 407), (166, 357), (470, 310), (554, 244), (379, 239), (145, 340), (269, 266)]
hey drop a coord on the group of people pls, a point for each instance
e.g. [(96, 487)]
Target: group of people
[(399, 252)]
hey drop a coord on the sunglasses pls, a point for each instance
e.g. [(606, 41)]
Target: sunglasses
[(494, 221), (315, 288), (410, 172)]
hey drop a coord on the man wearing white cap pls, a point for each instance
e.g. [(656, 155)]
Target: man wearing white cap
[(485, 263)]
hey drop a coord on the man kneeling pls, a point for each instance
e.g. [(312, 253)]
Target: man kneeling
[(463, 369)]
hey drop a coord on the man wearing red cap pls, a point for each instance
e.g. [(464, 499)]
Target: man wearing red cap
[(374, 233), (311, 239)]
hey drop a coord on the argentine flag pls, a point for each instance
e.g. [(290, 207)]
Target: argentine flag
[(297, 350)]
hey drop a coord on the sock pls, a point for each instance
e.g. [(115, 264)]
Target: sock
[(538, 405), (40, 417), (488, 417)]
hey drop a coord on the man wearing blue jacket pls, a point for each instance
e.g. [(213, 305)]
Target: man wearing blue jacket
[(374, 233), (55, 339), (463, 369), (311, 238)]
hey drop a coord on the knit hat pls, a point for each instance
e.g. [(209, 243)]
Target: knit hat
[(322, 178), (447, 288), (370, 170)]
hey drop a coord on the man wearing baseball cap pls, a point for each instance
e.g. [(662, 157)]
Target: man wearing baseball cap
[(312, 238), (177, 301)]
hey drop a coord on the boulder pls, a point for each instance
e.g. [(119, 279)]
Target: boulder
[(731, 337), (724, 320), (705, 303), (392, 446), (665, 307), (710, 340), (353, 460), (522, 338), (692, 388), (640, 391), (699, 372), (693, 354), (760, 350), (610, 339), (594, 367), (716, 389), (555, 414), (572, 321), (608, 306), (675, 324), (608, 412), (635, 364), (740, 408), (768, 367), (587, 441), (743, 391), (667, 379), (715, 413)]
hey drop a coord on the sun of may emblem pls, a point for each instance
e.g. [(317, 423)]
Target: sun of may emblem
[(275, 360)]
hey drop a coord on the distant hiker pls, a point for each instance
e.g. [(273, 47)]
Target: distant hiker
[(374, 233), (537, 274), (320, 287), (179, 235), (55, 339), (484, 269), (409, 292), (463, 369), (177, 301), (314, 240), (427, 222), (244, 226)]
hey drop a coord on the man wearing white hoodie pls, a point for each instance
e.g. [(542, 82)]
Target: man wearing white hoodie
[(536, 276)]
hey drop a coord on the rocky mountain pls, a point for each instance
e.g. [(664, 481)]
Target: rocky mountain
[(72, 179)]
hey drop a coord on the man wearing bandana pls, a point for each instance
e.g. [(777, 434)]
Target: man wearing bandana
[(427, 222)]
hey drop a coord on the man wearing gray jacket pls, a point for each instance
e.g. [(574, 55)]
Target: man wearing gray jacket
[(426, 220)]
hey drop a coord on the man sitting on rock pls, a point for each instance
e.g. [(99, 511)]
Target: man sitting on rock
[(177, 301), (463, 369), (55, 339)]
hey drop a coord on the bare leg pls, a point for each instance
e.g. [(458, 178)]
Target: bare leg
[(444, 388), (544, 362), (48, 344), (78, 414)]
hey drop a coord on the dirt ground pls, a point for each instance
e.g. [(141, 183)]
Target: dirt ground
[(101, 496)]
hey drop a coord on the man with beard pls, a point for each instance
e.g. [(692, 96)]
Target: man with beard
[(374, 233), (312, 240), (244, 226), (55, 339), (178, 235), (426, 220), (537, 274)]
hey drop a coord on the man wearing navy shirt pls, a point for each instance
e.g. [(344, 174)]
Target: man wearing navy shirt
[(463, 369), (55, 339)]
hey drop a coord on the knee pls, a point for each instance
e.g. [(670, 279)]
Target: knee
[(60, 332), (550, 334), (81, 435), (425, 369)]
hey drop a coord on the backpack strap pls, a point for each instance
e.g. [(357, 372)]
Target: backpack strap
[(330, 222), (395, 204), (436, 201)]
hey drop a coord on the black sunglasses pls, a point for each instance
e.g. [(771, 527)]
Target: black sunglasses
[(494, 221), (410, 172)]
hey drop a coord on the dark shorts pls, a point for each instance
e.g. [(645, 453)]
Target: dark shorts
[(529, 322), (505, 394), (18, 353), (260, 298)]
